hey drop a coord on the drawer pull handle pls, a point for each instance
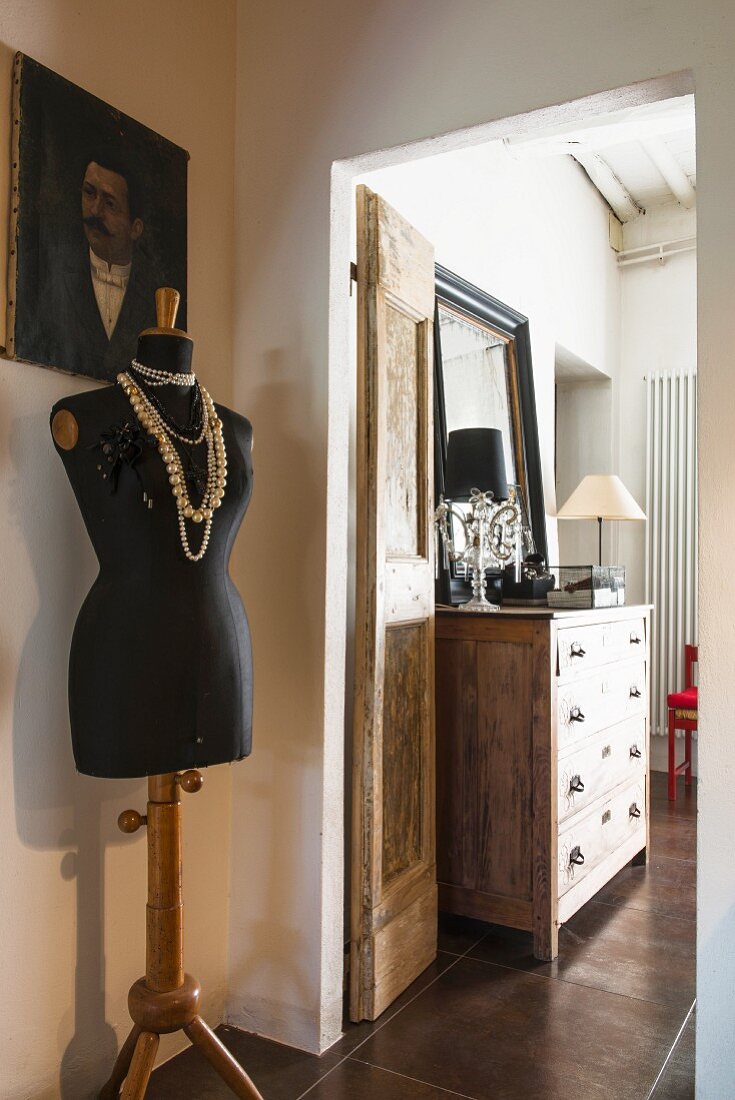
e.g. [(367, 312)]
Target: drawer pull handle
[(576, 784), (633, 810), (575, 856), (606, 751), (577, 650), (635, 692), (635, 640), (575, 715), (635, 752)]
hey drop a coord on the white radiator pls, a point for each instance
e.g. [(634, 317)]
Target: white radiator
[(671, 538)]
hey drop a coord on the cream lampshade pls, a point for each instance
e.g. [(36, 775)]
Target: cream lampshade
[(600, 496)]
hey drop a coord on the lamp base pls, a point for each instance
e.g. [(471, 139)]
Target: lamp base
[(479, 603)]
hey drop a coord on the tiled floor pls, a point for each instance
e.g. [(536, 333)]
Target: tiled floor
[(611, 1017)]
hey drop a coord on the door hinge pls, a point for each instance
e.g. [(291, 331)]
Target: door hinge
[(353, 275)]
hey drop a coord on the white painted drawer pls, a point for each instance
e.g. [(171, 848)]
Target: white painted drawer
[(585, 647), (591, 836), (599, 764), (605, 697)]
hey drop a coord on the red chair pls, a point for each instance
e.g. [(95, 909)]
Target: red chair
[(683, 716)]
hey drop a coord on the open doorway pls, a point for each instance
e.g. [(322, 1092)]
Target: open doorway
[(605, 274)]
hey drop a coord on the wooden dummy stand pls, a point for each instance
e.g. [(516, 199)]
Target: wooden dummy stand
[(167, 999)]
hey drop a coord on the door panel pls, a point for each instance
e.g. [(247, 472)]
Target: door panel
[(403, 735), (394, 906), (405, 511)]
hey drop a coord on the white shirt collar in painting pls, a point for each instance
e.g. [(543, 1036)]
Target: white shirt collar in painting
[(110, 281)]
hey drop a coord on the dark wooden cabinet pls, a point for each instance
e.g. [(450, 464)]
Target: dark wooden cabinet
[(542, 750)]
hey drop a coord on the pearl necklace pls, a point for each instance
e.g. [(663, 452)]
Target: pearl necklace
[(152, 422), (161, 377)]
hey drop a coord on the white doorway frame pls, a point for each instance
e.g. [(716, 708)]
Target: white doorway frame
[(340, 396)]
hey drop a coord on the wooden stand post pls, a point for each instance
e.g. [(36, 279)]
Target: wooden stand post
[(167, 999)]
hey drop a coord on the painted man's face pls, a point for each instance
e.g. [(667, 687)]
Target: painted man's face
[(108, 226)]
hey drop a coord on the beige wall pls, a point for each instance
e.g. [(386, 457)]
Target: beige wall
[(317, 83), (72, 903), (329, 80)]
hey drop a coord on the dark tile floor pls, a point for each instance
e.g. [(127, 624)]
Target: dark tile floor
[(612, 1016)]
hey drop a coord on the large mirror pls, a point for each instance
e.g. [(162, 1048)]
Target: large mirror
[(484, 378)]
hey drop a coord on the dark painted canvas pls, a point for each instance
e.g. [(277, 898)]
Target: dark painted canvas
[(98, 223)]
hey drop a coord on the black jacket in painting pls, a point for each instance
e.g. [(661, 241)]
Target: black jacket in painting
[(72, 336)]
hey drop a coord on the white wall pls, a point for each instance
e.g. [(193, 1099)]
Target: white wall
[(330, 80), (533, 233), (658, 331), (72, 904), (585, 423), (659, 317)]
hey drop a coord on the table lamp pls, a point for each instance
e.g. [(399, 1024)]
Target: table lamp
[(600, 496), (475, 472), (475, 460)]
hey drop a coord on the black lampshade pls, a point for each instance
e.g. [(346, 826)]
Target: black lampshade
[(475, 460)]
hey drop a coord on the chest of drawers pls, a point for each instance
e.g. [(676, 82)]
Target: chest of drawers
[(542, 761)]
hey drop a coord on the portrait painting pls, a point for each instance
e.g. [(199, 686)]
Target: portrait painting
[(98, 223)]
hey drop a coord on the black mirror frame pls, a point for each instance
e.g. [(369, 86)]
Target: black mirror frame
[(462, 297)]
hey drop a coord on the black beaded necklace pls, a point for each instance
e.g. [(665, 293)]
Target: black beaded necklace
[(193, 429)]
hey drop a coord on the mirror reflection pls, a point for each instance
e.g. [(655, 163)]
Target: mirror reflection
[(477, 380)]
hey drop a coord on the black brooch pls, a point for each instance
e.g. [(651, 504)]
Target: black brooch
[(123, 445)]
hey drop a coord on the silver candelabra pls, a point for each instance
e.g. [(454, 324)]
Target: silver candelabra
[(492, 533)]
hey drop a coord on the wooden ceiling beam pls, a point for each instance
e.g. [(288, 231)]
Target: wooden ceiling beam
[(612, 189), (674, 175)]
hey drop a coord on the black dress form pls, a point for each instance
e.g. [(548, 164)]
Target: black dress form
[(160, 671)]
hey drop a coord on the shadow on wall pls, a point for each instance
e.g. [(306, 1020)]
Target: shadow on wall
[(283, 777), (57, 809)]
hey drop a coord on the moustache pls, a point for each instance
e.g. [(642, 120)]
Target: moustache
[(98, 224)]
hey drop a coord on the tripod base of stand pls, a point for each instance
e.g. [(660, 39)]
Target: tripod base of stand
[(157, 1014), (167, 999)]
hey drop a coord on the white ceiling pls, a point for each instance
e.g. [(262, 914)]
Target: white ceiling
[(639, 158)]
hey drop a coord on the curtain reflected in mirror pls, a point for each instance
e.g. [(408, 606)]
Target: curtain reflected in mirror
[(476, 380)]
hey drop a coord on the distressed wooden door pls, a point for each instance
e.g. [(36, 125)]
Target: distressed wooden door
[(394, 893)]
